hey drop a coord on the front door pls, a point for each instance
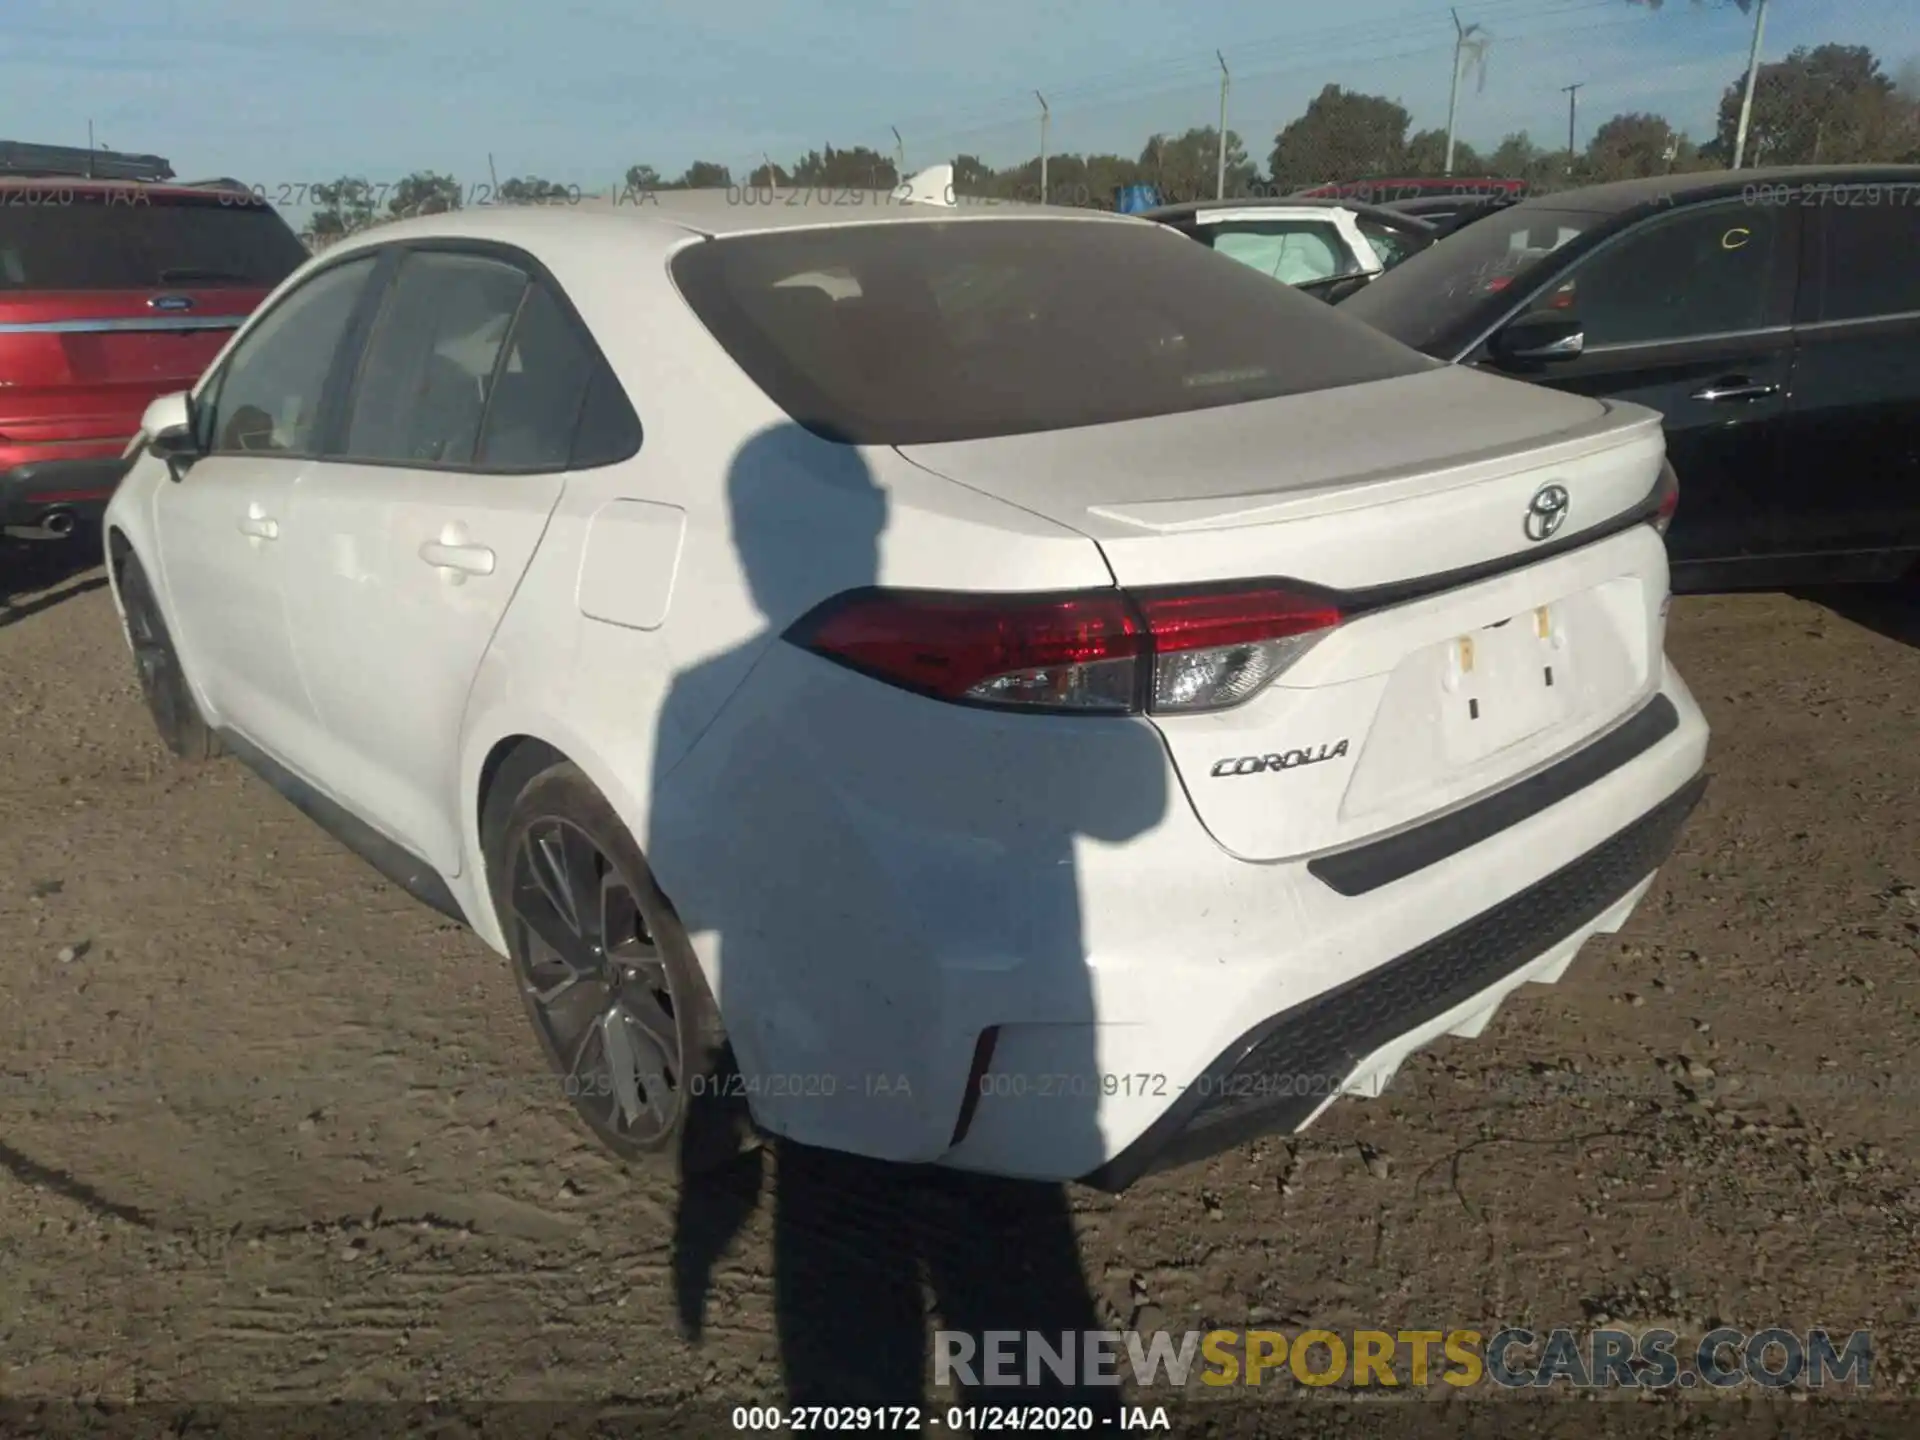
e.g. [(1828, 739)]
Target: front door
[(223, 527), (1689, 313)]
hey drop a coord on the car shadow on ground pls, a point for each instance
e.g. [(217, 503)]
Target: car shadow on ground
[(36, 575), (1890, 610)]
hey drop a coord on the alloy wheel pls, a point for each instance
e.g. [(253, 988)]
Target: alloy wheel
[(597, 984), (154, 660)]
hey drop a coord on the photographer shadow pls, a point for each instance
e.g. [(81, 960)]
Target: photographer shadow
[(871, 1256)]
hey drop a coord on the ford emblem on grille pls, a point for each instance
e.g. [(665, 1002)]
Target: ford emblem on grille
[(1546, 512), (170, 302)]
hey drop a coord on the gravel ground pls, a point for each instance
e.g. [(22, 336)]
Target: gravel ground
[(271, 1132)]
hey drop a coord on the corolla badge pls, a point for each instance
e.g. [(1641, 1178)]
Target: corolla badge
[(1280, 760), (1546, 512)]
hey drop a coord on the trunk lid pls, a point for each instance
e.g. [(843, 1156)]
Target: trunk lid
[(1476, 649), (83, 365), (113, 294)]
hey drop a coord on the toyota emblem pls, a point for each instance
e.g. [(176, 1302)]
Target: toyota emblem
[(1546, 512)]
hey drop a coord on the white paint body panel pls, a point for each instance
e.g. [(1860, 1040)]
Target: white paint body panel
[(871, 878)]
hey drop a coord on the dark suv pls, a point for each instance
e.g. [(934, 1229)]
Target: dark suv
[(1773, 318), (116, 286)]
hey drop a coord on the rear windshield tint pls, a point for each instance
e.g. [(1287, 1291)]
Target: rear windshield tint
[(55, 239), (921, 332)]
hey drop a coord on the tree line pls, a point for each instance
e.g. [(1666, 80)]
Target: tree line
[(1829, 104)]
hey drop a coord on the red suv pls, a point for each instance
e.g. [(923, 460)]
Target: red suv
[(115, 287)]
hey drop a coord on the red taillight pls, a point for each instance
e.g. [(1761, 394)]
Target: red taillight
[(1104, 651), (1072, 651), (1669, 499)]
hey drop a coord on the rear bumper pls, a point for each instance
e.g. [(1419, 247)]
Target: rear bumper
[(1280, 1073), (1007, 944), (32, 491)]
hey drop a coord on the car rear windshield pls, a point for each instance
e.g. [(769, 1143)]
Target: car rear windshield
[(74, 239), (1421, 301), (929, 331)]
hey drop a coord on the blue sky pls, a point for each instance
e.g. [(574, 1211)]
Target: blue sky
[(282, 93)]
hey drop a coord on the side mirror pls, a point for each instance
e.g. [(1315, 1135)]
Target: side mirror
[(1538, 339), (168, 428)]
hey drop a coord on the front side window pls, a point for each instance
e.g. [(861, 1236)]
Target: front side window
[(1872, 264), (423, 383), (267, 397), (1694, 272), (1421, 300)]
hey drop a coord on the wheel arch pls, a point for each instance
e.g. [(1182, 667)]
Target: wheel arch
[(501, 757)]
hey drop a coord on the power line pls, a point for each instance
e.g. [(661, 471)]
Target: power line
[(1003, 124), (1166, 78)]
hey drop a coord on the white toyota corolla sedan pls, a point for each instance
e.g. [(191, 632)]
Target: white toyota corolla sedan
[(994, 686)]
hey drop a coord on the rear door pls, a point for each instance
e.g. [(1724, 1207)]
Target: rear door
[(406, 546), (1689, 313), (1853, 427), (112, 296)]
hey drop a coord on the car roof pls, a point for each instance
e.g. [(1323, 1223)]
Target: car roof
[(1189, 209), (1623, 195), (80, 185), (737, 210)]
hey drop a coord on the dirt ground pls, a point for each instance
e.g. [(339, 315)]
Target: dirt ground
[(270, 1131)]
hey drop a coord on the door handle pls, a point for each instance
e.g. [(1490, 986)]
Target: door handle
[(1736, 387), (458, 559), (259, 527)]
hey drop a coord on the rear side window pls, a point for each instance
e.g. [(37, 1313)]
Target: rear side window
[(1293, 251), (429, 363), (1872, 264), (609, 431), (56, 238), (539, 390), (929, 331)]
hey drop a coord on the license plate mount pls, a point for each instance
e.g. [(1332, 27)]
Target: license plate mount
[(1505, 683)]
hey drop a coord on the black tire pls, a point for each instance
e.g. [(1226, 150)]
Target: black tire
[(610, 983), (176, 714)]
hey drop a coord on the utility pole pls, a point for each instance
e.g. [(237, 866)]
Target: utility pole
[(1453, 92), (1573, 104), (1753, 71), (1045, 115), (899, 153), (1220, 180)]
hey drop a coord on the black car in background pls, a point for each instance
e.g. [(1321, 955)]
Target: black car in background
[(1773, 318)]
